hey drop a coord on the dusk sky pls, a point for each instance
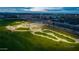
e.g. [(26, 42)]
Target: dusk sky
[(40, 9)]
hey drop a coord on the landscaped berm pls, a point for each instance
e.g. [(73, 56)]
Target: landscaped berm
[(34, 36)]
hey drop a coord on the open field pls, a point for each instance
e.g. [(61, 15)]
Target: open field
[(28, 36)]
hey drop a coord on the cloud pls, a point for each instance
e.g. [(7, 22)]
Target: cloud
[(45, 8), (26, 9), (38, 9)]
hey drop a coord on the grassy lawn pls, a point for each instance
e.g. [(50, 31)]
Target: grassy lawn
[(65, 38), (22, 29), (26, 41), (41, 33), (62, 36)]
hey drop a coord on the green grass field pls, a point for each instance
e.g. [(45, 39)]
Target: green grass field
[(39, 41)]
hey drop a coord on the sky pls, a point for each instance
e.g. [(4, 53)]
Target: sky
[(40, 9)]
